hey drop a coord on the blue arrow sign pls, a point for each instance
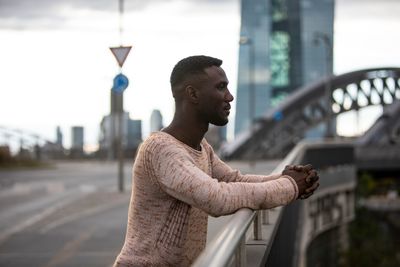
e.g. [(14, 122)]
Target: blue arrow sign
[(121, 82)]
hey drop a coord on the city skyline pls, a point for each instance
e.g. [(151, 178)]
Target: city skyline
[(57, 69)]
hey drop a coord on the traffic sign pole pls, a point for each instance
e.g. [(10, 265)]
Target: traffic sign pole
[(120, 83), (120, 152)]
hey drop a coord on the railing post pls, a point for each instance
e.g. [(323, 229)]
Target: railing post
[(257, 226), (240, 255), (265, 216)]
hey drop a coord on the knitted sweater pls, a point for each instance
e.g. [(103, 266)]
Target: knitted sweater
[(175, 188)]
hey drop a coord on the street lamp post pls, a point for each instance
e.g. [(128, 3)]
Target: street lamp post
[(326, 40)]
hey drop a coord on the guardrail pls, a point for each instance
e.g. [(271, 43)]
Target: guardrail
[(253, 232), (231, 241)]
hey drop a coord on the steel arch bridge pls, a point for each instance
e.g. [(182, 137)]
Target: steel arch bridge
[(273, 135)]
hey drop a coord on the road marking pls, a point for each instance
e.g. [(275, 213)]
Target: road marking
[(88, 188), (70, 248), (25, 188), (55, 187), (76, 216), (32, 220), (18, 189)]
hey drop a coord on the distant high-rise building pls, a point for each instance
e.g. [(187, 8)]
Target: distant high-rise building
[(284, 44), (77, 142), (131, 134), (134, 136), (77, 137), (156, 121), (59, 137)]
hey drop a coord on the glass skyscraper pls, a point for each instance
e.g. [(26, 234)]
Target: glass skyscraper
[(284, 44)]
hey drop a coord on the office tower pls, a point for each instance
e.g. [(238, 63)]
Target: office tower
[(105, 137), (254, 67), (59, 137), (156, 121), (134, 134), (77, 142), (131, 134), (77, 137), (284, 44)]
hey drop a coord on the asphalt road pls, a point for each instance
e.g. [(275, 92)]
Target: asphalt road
[(69, 215)]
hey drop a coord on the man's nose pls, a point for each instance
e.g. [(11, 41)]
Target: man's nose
[(229, 97)]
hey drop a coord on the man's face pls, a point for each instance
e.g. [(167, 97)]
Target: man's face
[(215, 97)]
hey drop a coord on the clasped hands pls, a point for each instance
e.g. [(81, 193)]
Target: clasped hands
[(306, 178)]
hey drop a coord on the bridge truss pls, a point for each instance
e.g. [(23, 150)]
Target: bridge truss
[(273, 135), (18, 140)]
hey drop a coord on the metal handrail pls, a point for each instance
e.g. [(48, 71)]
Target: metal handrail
[(219, 252)]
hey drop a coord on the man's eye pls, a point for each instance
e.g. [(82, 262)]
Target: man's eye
[(221, 86)]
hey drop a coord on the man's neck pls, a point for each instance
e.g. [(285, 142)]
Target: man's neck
[(187, 132)]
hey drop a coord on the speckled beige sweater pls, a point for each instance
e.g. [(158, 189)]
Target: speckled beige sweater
[(175, 187)]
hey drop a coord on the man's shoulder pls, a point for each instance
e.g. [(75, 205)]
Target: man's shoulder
[(160, 140), (157, 138)]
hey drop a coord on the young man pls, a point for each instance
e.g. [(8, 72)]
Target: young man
[(178, 180)]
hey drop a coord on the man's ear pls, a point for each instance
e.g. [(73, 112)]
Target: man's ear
[(192, 94)]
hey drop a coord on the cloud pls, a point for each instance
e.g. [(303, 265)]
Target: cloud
[(367, 9), (23, 14), (28, 14)]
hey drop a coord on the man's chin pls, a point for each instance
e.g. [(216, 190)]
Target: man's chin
[(220, 123)]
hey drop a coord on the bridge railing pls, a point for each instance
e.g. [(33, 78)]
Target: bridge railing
[(248, 239), (256, 228)]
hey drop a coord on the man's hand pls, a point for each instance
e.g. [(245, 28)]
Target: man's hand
[(306, 178)]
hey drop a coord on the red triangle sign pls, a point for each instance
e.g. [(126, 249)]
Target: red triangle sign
[(120, 53)]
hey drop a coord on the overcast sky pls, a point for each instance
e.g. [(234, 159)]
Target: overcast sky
[(56, 67)]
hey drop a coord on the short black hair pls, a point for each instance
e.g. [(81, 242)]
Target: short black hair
[(192, 65)]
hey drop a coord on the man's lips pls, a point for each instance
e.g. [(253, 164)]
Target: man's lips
[(227, 109)]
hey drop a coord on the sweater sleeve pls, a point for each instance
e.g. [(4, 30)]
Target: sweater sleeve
[(223, 172), (177, 175)]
